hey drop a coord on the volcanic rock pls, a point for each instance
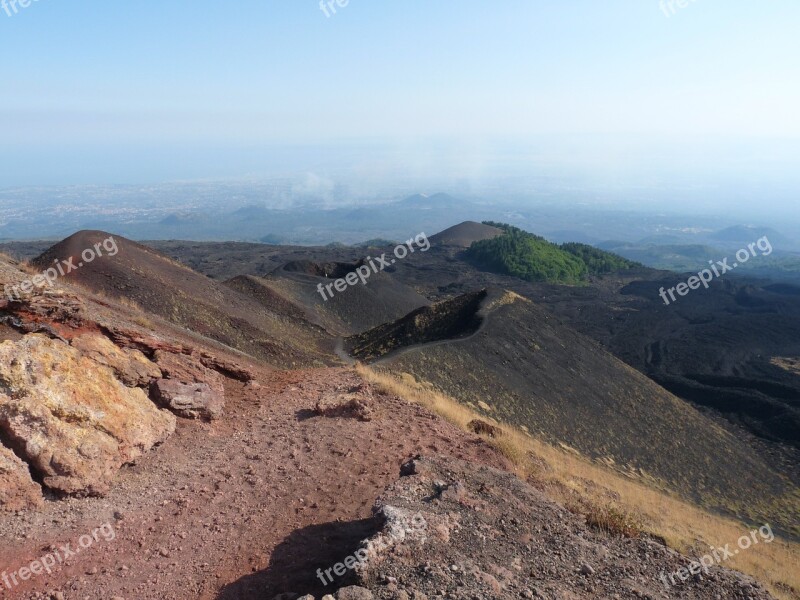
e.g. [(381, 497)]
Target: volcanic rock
[(187, 369), (70, 417), (502, 538), (189, 400), (354, 406), (483, 428), (17, 490), (131, 366)]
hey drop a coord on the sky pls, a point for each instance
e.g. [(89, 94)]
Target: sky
[(97, 91)]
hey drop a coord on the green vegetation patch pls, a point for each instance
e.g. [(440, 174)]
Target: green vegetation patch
[(531, 257), (599, 262)]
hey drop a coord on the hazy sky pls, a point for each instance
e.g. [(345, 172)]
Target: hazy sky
[(93, 86)]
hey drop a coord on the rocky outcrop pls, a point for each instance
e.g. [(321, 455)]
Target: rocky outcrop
[(153, 346), (188, 369), (17, 490), (70, 417), (74, 386), (130, 366), (53, 310), (458, 530)]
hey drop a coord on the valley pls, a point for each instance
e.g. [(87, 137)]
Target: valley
[(276, 402)]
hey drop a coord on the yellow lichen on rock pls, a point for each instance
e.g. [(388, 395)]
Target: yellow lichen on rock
[(70, 416)]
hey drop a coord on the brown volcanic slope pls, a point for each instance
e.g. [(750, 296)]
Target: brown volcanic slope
[(522, 366), (216, 501), (448, 320), (714, 349), (358, 308), (170, 290), (251, 504), (465, 234)]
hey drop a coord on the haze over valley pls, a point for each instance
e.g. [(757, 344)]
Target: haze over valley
[(335, 300)]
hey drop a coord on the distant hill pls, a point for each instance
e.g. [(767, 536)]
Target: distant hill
[(744, 234), (465, 234), (181, 219), (685, 257), (533, 258), (252, 211), (571, 235), (376, 243), (527, 256), (359, 307), (174, 292)]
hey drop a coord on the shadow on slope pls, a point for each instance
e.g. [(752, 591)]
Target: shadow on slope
[(452, 319), (357, 308), (293, 564)]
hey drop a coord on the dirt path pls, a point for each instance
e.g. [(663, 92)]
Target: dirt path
[(246, 508)]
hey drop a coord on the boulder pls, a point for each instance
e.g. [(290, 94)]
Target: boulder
[(185, 368), (70, 417), (188, 400), (190, 389)]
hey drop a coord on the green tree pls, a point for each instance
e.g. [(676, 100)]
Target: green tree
[(527, 256), (598, 261)]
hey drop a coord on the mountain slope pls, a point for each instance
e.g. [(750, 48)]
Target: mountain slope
[(432, 508), (523, 367), (465, 234), (166, 288), (362, 306)]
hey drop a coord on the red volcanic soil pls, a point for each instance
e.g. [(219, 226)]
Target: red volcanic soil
[(247, 507)]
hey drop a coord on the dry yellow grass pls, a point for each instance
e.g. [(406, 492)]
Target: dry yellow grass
[(789, 364), (136, 313), (598, 491), (132, 304), (28, 268)]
